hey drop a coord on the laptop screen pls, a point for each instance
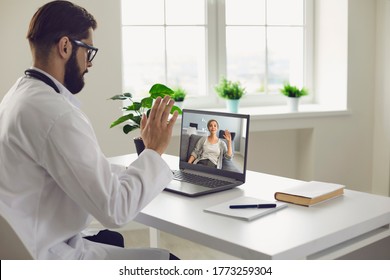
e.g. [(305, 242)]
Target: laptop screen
[(216, 157)]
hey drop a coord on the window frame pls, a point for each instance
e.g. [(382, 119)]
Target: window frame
[(216, 61)]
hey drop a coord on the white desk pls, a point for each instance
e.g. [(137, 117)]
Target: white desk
[(325, 231)]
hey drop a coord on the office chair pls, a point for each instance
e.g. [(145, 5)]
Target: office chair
[(221, 132), (11, 246)]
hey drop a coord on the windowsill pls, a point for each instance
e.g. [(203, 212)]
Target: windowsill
[(282, 112), (268, 118)]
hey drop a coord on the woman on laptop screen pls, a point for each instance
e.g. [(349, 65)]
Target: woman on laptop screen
[(210, 150)]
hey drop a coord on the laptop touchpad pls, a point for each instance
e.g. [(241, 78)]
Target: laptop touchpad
[(189, 188)]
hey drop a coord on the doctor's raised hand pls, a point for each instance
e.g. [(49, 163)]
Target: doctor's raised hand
[(156, 130)]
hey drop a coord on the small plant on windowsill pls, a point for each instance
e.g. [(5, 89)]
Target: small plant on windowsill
[(134, 111), (231, 91), (294, 94), (293, 91), (179, 94)]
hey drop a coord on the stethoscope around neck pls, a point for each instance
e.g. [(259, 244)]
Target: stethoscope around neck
[(42, 77)]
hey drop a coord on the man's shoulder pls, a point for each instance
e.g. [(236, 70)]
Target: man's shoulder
[(34, 95), (36, 105)]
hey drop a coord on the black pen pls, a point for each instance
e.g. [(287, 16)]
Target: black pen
[(242, 206)]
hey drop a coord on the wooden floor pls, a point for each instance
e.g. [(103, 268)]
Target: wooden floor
[(184, 249)]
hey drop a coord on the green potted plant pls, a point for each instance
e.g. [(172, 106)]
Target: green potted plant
[(232, 92), (179, 94), (134, 111), (293, 94)]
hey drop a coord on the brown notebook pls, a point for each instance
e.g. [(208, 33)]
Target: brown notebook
[(310, 193)]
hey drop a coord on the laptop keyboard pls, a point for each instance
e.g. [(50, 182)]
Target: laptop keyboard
[(198, 179)]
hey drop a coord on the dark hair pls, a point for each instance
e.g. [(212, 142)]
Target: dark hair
[(57, 19)]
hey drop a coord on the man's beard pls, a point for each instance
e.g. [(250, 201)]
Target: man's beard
[(73, 80)]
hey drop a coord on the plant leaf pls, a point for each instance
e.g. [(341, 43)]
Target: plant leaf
[(157, 94), (147, 102), (134, 107), (160, 90), (293, 91), (148, 113), (128, 127), (175, 108), (137, 120), (122, 119), (118, 97), (179, 94), (123, 96), (229, 90)]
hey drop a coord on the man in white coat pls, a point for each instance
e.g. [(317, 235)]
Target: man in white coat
[(53, 175)]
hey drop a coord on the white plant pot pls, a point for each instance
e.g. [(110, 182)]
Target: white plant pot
[(232, 105), (293, 104)]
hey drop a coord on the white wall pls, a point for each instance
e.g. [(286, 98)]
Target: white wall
[(104, 78), (337, 149), (381, 164)]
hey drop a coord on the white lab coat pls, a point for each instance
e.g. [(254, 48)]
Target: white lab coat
[(54, 178)]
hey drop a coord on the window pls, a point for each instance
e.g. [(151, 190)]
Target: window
[(193, 43)]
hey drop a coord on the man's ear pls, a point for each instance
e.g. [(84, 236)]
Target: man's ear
[(64, 47)]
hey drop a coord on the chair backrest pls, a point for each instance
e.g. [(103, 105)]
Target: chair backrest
[(222, 132), (194, 125), (11, 246)]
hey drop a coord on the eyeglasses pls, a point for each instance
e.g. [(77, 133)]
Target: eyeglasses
[(91, 51)]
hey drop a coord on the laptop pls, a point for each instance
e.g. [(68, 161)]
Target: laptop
[(195, 179)]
